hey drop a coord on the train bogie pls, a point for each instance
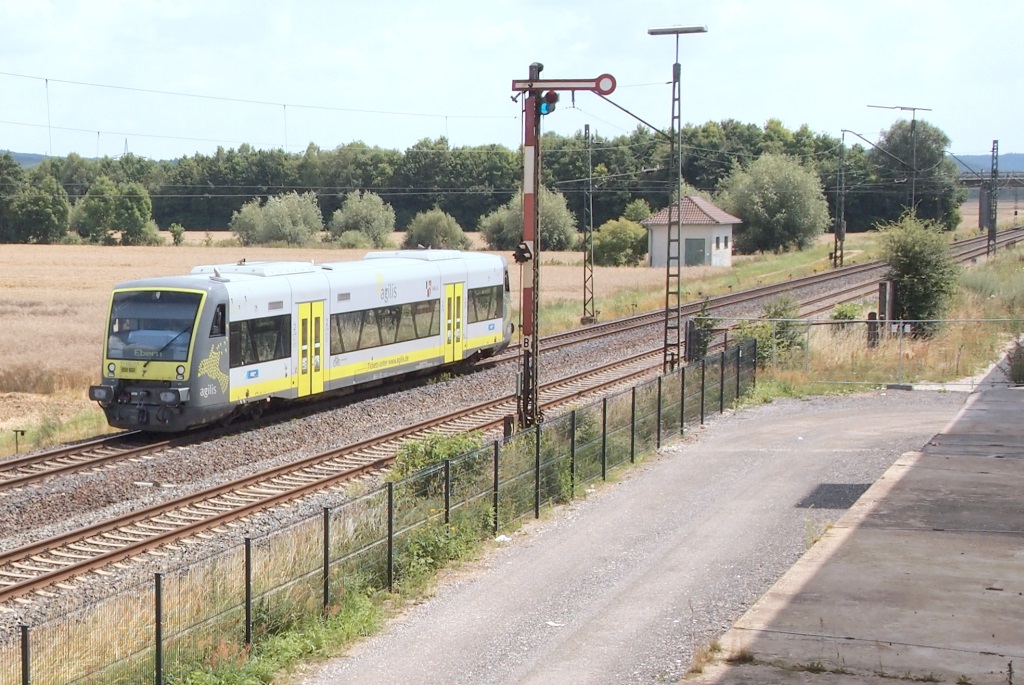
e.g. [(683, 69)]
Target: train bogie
[(190, 350)]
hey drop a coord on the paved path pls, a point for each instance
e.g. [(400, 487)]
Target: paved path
[(922, 580), (623, 586)]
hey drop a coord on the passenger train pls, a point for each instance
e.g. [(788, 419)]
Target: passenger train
[(225, 340)]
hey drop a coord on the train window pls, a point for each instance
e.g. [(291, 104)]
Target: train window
[(406, 324), (345, 332), (152, 324), (260, 340), (369, 336), (485, 303), (217, 327), (387, 324), (427, 318), (351, 331)]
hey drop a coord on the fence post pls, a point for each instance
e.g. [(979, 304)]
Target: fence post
[(497, 452), (807, 352), (391, 536), (26, 656), (657, 440), (536, 480), (899, 378), (572, 454), (447, 491), (753, 368), (721, 382), (604, 438), (248, 592), (158, 623), (774, 346), (739, 360), (327, 558), (682, 400), (632, 428), (703, 386)]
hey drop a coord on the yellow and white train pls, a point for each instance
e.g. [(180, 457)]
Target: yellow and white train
[(185, 351)]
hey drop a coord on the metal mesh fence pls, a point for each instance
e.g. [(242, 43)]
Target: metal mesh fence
[(203, 612), (210, 608), (110, 641)]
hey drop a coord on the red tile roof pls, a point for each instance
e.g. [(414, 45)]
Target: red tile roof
[(694, 210)]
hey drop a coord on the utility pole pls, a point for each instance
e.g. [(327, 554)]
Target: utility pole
[(913, 147), (589, 314), (993, 202), (673, 258), (840, 229), (541, 99)]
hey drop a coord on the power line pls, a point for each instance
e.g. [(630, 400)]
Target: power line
[(247, 101)]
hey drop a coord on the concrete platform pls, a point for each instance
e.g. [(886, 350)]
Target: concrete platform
[(921, 580)]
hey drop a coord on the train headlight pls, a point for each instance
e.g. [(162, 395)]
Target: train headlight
[(110, 369), (170, 396), (101, 393), (180, 370), (173, 395)]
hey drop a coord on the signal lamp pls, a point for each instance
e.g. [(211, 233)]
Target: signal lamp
[(548, 102), (523, 253)]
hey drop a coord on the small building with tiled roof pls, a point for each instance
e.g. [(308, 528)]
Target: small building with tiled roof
[(705, 234)]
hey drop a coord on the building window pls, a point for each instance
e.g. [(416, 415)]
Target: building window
[(727, 242), (718, 242)]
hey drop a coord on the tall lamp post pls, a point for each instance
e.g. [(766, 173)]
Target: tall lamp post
[(673, 277), (913, 147)]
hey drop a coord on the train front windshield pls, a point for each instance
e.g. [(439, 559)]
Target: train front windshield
[(150, 325)]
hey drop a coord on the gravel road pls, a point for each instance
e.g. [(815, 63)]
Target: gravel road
[(623, 586)]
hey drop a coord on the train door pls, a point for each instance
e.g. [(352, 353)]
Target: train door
[(453, 341), (311, 331)]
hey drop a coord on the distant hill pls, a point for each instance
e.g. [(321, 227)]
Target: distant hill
[(26, 159), (1013, 161)]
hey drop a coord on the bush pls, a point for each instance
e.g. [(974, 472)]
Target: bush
[(922, 270), (291, 219), (620, 242), (354, 240), (177, 232), (366, 213), (777, 337), (437, 230), (435, 448), (846, 311), (503, 228)]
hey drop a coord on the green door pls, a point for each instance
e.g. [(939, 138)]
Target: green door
[(694, 252)]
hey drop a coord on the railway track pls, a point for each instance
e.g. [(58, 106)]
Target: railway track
[(56, 561), (108, 451)]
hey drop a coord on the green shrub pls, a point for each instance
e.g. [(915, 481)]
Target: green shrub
[(620, 242)]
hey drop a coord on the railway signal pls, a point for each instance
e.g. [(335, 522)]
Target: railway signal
[(542, 96)]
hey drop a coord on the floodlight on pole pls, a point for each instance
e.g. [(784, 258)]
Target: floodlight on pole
[(673, 258), (913, 147)]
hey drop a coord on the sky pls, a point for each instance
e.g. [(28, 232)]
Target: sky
[(168, 79)]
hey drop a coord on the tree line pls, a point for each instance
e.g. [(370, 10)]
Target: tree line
[(128, 199)]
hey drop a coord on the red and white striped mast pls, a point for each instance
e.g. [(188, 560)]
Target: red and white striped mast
[(541, 97)]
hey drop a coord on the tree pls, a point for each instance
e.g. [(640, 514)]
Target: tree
[(503, 228), (437, 230), (636, 211), (780, 202), (133, 214), (911, 164), (367, 213), (95, 213), (620, 242), (923, 272), (290, 218), (39, 212), (10, 181)]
